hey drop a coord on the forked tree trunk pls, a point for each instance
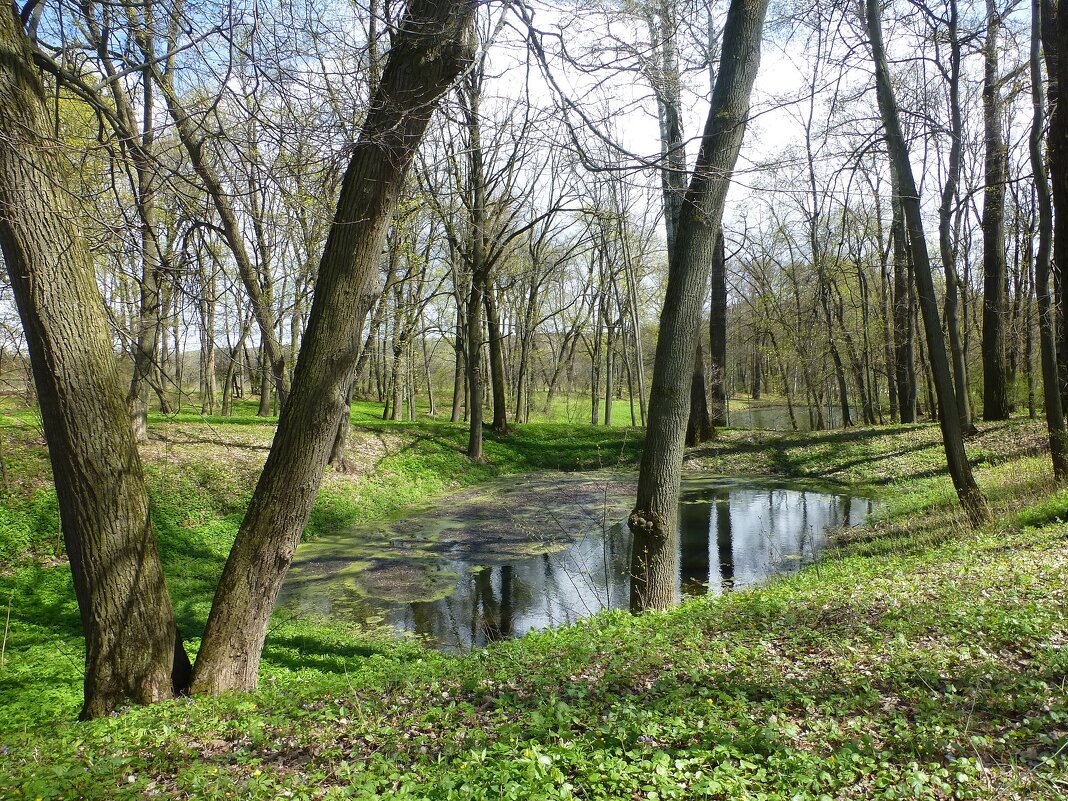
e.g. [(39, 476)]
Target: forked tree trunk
[(432, 46), (655, 515), (967, 491), (1058, 436), (127, 618)]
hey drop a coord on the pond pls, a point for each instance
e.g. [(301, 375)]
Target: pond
[(530, 552)]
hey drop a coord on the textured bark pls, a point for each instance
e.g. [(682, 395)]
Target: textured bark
[(126, 613), (431, 47), (653, 521), (960, 470), (995, 303), (1058, 436)]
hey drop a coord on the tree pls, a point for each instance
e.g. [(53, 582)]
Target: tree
[(654, 518), (947, 242), (1054, 32), (432, 46), (1058, 436), (132, 647), (968, 492), (995, 373)]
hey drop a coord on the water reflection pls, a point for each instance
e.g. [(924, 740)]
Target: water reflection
[(549, 550)]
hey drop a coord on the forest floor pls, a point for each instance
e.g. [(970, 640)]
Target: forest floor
[(920, 659)]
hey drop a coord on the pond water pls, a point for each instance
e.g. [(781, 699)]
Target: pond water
[(530, 552)]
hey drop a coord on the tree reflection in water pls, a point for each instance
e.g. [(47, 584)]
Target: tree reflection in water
[(441, 580)]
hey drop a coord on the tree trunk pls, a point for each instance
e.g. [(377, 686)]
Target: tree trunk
[(459, 384), (1055, 425), (946, 241), (717, 334), (496, 359), (133, 652), (653, 520), (431, 47), (995, 374), (208, 383), (264, 407), (699, 426), (1054, 34), (904, 362), (967, 491), (480, 267)]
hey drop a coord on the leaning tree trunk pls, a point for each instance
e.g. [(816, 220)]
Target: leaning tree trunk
[(431, 48), (132, 650), (1058, 436), (654, 519), (967, 491), (995, 311)]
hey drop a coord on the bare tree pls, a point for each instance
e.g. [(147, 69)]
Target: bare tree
[(654, 519), (968, 492)]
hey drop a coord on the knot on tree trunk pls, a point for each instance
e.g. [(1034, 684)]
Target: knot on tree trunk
[(647, 523)]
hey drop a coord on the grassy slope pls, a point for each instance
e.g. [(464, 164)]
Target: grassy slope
[(923, 661), (201, 472)]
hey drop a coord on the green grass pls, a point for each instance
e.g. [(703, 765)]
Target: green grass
[(201, 471), (923, 660)]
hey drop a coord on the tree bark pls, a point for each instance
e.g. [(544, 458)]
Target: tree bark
[(1054, 34), (431, 47), (995, 311), (1055, 425), (904, 361), (496, 361), (133, 652), (699, 426), (654, 519), (717, 334)]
